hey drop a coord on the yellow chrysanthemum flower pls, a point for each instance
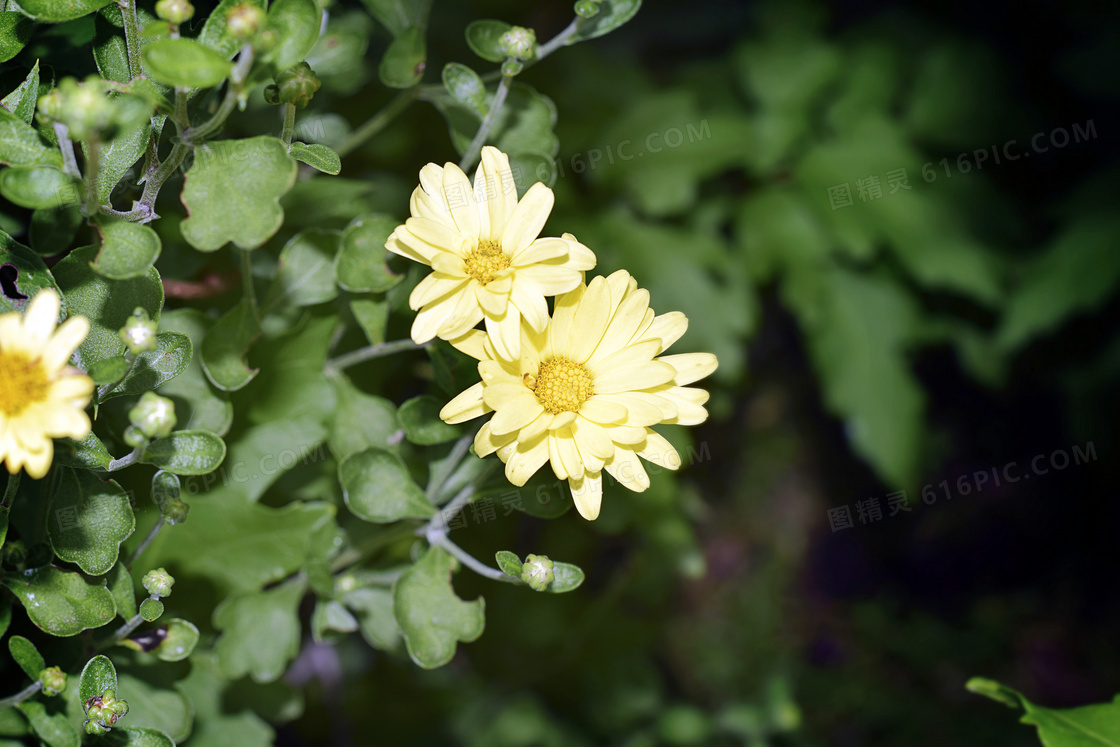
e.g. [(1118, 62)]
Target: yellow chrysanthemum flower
[(41, 397), (482, 245), (585, 391)]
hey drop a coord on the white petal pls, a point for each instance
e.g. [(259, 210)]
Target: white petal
[(590, 321), (587, 493), (467, 405), (691, 366), (526, 220), (625, 467), (634, 377), (65, 340), (40, 318), (516, 414), (526, 459)]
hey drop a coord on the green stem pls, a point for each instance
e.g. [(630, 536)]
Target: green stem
[(10, 491), (126, 460), (439, 477), (195, 135), (560, 40), (90, 203), (22, 695), (66, 147), (475, 148), (440, 539), (356, 555), (179, 116), (379, 350), (131, 36), (289, 125), (160, 523), (378, 122), (247, 282)]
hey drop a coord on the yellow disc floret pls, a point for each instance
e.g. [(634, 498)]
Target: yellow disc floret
[(25, 383), (562, 385), (484, 260)]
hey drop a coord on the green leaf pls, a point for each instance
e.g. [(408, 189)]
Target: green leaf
[(23, 100), (402, 66), (483, 38), (185, 63), (1087, 726), (331, 616), (89, 453), (509, 562), (128, 250), (20, 144), (299, 388), (611, 15), (431, 617), (541, 496), (305, 276), (360, 421), (60, 10), (263, 453), (197, 405), (31, 274), (137, 736), (360, 265), (374, 608), (121, 153), (215, 34), (98, 675), (465, 86), (377, 487), (186, 452), (226, 724), (38, 187), (120, 586), (339, 54), (567, 577), (107, 371), (110, 51), (296, 24), (52, 728), (106, 303), (15, 30), (398, 15), (151, 609), (247, 544), (227, 201), (372, 315), (155, 367), (27, 656), (224, 350), (318, 157), (422, 425), (54, 229), (89, 519), (261, 632), (179, 641)]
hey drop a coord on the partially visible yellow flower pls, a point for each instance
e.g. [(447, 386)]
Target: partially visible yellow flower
[(482, 244), (41, 397), (585, 391)]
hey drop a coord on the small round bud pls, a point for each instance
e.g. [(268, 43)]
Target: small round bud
[(512, 67), (587, 8), (175, 512), (139, 333), (153, 415), (174, 11), (244, 20), (83, 108), (158, 582), (536, 571), (53, 680), (297, 85), (518, 42), (50, 107), (134, 437)]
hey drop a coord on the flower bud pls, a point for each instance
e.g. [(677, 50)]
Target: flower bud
[(53, 681), (297, 85), (102, 711), (512, 67), (175, 512), (153, 415), (536, 571), (587, 8), (50, 106), (139, 333), (272, 94), (158, 582), (518, 42), (174, 11), (134, 437), (244, 20), (83, 107)]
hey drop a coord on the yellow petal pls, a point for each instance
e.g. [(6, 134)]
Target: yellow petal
[(467, 405), (491, 301), (402, 242), (625, 467), (538, 427), (423, 205), (668, 328), (438, 236), (627, 435), (431, 180), (541, 250), (40, 318), (587, 493), (562, 420), (530, 302), (459, 191), (497, 395), (65, 340), (515, 414), (589, 321), (630, 355), (601, 409), (592, 439), (505, 334), (689, 402), (637, 376), (472, 343), (433, 287), (465, 315), (486, 443), (495, 189), (11, 332), (563, 443), (691, 366), (579, 256), (526, 459), (430, 319), (659, 451), (624, 324), (527, 219), (550, 279)]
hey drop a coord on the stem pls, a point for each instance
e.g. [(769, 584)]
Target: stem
[(475, 147), (559, 40), (126, 460), (439, 478), (131, 36), (370, 352), (160, 523), (10, 491), (378, 122), (179, 116), (289, 124), (123, 631), (247, 282), (22, 695), (439, 539), (90, 203), (358, 554), (66, 146), (194, 135)]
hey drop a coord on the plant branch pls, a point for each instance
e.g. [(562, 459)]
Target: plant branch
[(247, 283), (160, 523), (22, 695), (377, 122), (90, 203), (439, 478), (560, 40), (289, 125), (128, 459), (66, 147), (370, 352), (440, 539), (475, 148), (10, 491), (131, 36), (195, 135)]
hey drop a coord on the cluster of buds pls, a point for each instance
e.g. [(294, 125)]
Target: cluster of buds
[(83, 108), (53, 681), (102, 711), (139, 333), (152, 417), (537, 572), (517, 44), (296, 85)]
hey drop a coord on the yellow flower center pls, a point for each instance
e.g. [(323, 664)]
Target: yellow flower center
[(486, 259), (561, 385), (22, 382)]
